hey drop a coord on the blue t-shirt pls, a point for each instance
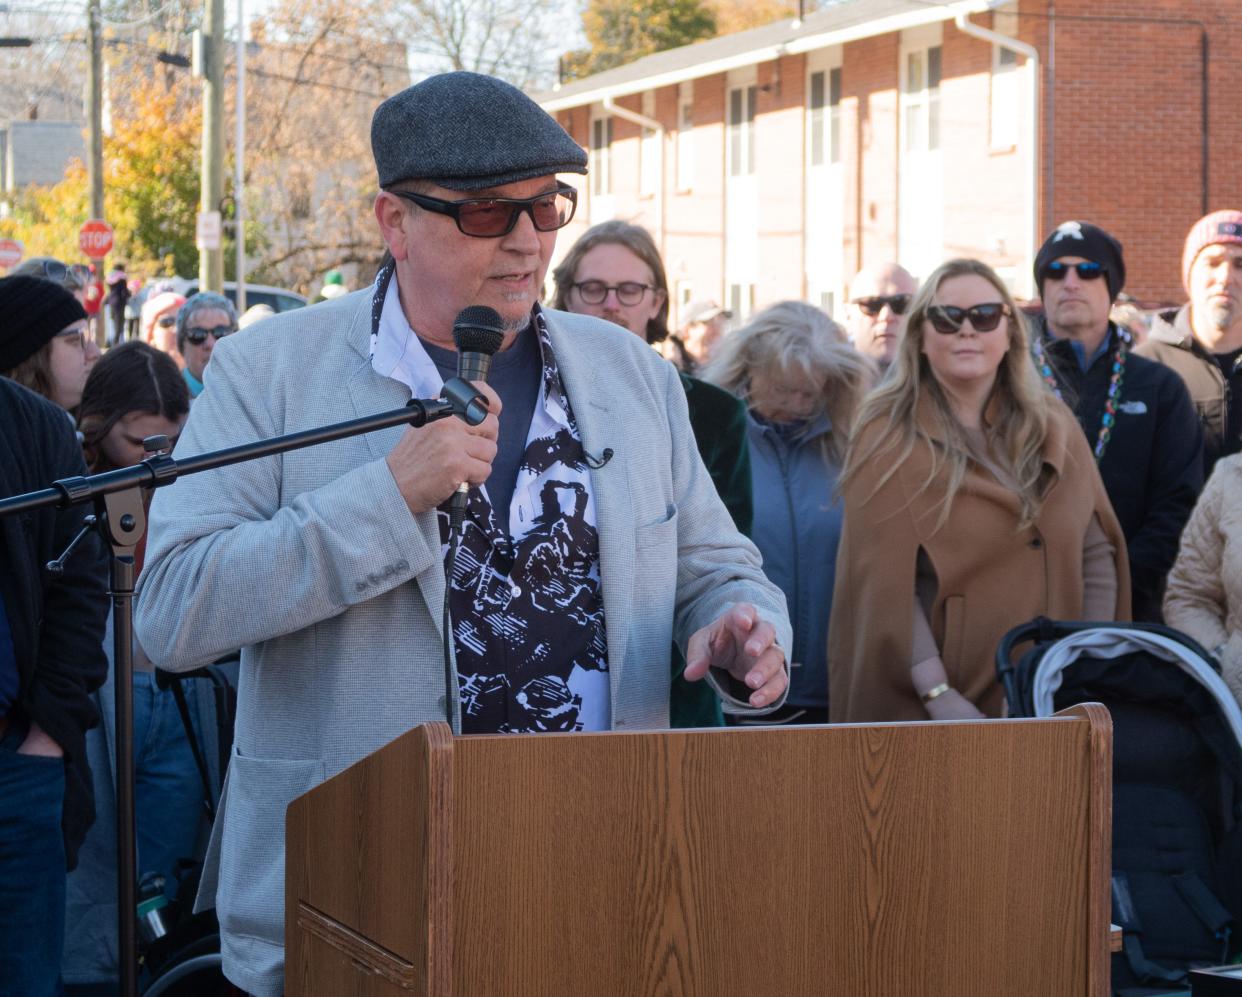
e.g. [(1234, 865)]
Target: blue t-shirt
[(515, 377), (9, 678)]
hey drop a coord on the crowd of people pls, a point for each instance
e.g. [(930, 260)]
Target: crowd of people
[(811, 520)]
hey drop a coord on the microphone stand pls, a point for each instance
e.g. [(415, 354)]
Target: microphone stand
[(120, 518)]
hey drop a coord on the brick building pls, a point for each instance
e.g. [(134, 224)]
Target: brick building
[(775, 162)]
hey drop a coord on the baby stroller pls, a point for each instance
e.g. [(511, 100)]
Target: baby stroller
[(1177, 775)]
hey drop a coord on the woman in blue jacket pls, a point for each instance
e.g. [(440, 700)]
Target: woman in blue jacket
[(802, 385)]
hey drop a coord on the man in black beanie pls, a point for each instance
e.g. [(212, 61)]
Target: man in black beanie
[(1137, 414)]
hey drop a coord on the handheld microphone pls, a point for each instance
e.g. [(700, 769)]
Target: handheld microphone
[(478, 332)]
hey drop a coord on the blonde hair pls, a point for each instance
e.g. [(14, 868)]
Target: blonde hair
[(1019, 404), (789, 337)]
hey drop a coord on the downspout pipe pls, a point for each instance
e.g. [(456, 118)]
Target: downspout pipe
[(968, 27), (611, 107)]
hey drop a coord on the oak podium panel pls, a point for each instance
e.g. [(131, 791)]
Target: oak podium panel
[(891, 859)]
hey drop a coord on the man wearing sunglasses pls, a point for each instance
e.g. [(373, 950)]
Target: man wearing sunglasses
[(326, 565), (879, 297), (1136, 413), (1202, 340), (202, 321)]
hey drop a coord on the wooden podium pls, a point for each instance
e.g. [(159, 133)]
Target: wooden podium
[(890, 860)]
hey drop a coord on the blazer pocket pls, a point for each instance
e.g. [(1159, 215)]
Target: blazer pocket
[(250, 899), (954, 634), (659, 533)]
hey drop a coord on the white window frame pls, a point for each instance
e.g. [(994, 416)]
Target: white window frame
[(685, 136), (648, 151), (1005, 96), (741, 299), (740, 131), (601, 155), (920, 97), (823, 121)]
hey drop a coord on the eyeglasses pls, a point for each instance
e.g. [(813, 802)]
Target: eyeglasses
[(629, 292), (199, 336), (1086, 270), (75, 337), (871, 307), (61, 273), (166, 321), (948, 319), (493, 217)]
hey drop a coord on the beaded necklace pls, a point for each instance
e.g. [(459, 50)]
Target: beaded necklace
[(1109, 418)]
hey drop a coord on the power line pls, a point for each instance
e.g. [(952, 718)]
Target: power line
[(314, 83)]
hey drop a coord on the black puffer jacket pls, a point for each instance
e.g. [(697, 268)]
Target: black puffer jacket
[(1153, 465), (57, 623)]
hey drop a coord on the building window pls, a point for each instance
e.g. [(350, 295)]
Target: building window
[(741, 301), (825, 117), (834, 115), (921, 99), (742, 130), (685, 137), (601, 156), (649, 151), (1006, 86), (817, 119), (684, 294)]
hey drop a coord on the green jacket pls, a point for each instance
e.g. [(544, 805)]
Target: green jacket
[(719, 423)]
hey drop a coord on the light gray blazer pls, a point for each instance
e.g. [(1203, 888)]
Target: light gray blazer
[(313, 565)]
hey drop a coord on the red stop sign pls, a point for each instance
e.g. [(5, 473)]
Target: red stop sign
[(95, 239), (10, 253)]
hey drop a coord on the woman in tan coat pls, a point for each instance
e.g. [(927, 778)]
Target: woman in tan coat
[(972, 504), (1204, 595)]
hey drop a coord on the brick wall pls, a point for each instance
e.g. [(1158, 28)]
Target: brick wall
[(1125, 106), (1121, 140)]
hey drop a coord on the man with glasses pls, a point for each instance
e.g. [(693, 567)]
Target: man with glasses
[(1202, 340), (879, 297), (201, 322), (585, 497), (1136, 413)]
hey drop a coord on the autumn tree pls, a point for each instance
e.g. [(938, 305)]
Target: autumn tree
[(741, 15), (620, 31), (151, 185)]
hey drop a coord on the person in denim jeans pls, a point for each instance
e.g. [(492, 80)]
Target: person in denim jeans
[(135, 392), (51, 660)]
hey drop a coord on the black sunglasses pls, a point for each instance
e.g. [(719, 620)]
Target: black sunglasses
[(199, 336), (948, 319), (871, 307), (1087, 270), (166, 321), (492, 217)]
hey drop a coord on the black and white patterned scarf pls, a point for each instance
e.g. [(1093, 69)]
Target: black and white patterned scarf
[(526, 603)]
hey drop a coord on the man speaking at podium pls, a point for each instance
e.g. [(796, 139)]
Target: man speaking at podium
[(597, 540)]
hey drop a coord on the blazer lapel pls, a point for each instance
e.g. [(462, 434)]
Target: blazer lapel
[(600, 429), (370, 393)]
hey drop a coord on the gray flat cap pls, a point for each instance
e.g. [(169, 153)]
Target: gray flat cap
[(466, 131)]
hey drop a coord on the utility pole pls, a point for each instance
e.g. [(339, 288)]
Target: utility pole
[(211, 257), (94, 113), (239, 154)]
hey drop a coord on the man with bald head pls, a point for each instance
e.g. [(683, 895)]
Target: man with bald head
[(879, 297)]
